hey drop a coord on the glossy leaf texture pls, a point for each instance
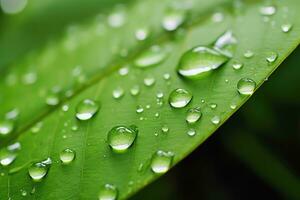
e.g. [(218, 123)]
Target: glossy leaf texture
[(103, 61)]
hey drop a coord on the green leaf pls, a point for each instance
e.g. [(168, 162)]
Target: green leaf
[(85, 64)]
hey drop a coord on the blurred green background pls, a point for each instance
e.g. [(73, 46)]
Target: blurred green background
[(256, 153)]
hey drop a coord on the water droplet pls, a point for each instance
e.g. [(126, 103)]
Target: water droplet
[(161, 161), (135, 90), (9, 154), (37, 171), (246, 86), (271, 57), (149, 81), (86, 109), (123, 71), (108, 192), (120, 138), (233, 106), (156, 115), (226, 44), (52, 99), (65, 108), (13, 6), (118, 93), (267, 10), (173, 19), (213, 105), (148, 106), (191, 132), (74, 128), (6, 127), (248, 54), (165, 129), (286, 27), (217, 17), (29, 78), (199, 61), (215, 120), (237, 65), (37, 127), (166, 76), (116, 19), (23, 192), (180, 98), (12, 114), (67, 156), (141, 34), (193, 115), (159, 95), (139, 109), (151, 57)]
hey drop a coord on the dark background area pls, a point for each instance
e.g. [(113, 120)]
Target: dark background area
[(254, 155)]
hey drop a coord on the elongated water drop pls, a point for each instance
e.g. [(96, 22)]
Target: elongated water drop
[(271, 57), (120, 138), (37, 171), (67, 156), (86, 109), (246, 86), (180, 98), (151, 57), (9, 154), (161, 161), (226, 44), (193, 115), (173, 19), (108, 192), (6, 127)]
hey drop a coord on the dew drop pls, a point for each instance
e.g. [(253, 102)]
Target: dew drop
[(29, 78), (191, 132), (52, 99), (246, 86), (67, 156), (37, 171), (286, 27), (13, 6), (123, 71), (217, 17), (139, 109), (141, 34), (267, 10), (86, 109), (173, 19), (215, 120), (120, 138), (237, 65), (65, 107), (149, 81), (271, 57), (116, 19), (118, 93), (193, 115), (233, 106), (135, 90), (180, 98), (248, 54), (166, 76), (165, 129), (151, 57), (213, 105), (159, 95), (161, 161), (12, 114), (108, 192), (6, 127), (37, 127), (9, 154), (23, 193)]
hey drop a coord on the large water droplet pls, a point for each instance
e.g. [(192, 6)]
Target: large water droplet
[(180, 98), (37, 171), (108, 192), (161, 161), (86, 109), (6, 127), (120, 138), (9, 154), (151, 57), (67, 156), (173, 19), (246, 86), (193, 115)]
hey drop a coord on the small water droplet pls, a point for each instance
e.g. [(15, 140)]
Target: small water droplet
[(65, 108), (86, 109), (23, 192), (12, 114), (180, 98), (123, 71), (37, 171), (149, 81), (237, 65), (37, 127), (217, 17), (67, 156), (108, 192), (135, 90), (118, 93), (248, 54), (9, 154), (213, 105), (139, 109), (141, 34), (193, 115), (52, 99), (156, 115), (151, 57), (6, 127), (161, 161), (74, 128), (267, 10), (116, 19), (286, 27), (173, 19), (215, 120), (233, 106), (159, 95), (165, 129), (191, 132), (271, 57), (166, 76), (246, 86), (120, 138)]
